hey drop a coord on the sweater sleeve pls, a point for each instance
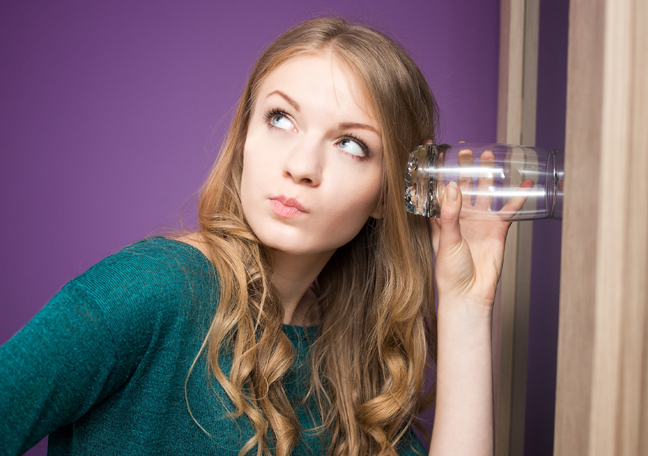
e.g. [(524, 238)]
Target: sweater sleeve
[(56, 367), (85, 344)]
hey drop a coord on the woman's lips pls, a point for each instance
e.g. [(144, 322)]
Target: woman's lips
[(286, 207)]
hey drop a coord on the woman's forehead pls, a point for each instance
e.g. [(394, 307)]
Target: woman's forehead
[(319, 77)]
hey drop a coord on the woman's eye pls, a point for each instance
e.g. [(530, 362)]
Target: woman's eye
[(281, 121), (351, 147)]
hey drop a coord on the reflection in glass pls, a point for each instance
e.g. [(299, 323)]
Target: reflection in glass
[(511, 182)]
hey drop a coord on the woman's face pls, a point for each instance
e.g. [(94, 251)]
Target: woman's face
[(312, 163)]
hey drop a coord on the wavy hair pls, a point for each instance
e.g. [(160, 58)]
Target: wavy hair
[(377, 338)]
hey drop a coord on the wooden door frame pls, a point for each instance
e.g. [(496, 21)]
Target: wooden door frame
[(602, 383), (516, 124)]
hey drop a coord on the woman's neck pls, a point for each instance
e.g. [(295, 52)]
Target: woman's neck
[(293, 275)]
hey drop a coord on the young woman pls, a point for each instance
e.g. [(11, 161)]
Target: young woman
[(299, 317)]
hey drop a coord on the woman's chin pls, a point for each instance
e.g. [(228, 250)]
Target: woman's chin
[(295, 247)]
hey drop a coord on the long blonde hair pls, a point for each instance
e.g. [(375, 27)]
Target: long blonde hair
[(376, 298)]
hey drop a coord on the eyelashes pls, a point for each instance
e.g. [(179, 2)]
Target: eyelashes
[(273, 114), (360, 142)]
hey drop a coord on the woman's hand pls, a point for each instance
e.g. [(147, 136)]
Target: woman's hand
[(469, 254), (468, 264)]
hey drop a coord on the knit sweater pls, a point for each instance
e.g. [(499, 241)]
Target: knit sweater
[(102, 368)]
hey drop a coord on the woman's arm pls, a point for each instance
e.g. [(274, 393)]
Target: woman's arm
[(55, 369), (463, 422), (468, 264), (88, 342)]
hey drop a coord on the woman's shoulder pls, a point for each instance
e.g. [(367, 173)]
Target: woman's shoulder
[(157, 260), (149, 276), (159, 252)]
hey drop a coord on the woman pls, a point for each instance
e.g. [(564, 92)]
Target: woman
[(299, 317)]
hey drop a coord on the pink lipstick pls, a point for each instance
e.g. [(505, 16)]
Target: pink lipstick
[(286, 207)]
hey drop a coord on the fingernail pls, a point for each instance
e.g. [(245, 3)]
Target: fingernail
[(451, 191)]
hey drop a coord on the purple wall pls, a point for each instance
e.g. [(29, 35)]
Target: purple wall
[(112, 112), (545, 262)]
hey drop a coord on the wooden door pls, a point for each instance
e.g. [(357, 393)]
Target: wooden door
[(602, 385)]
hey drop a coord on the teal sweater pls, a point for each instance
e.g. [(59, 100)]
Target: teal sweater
[(102, 368)]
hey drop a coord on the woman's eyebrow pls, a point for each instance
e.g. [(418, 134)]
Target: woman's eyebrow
[(285, 97), (345, 126)]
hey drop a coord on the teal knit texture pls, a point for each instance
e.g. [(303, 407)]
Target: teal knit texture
[(102, 368)]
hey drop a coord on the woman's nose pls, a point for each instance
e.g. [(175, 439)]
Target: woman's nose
[(304, 163)]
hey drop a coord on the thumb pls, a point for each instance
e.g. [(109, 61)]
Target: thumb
[(450, 236)]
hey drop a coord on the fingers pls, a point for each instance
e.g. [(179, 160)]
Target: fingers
[(451, 208), (484, 198), (465, 160), (516, 202)]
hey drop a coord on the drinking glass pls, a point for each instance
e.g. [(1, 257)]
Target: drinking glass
[(495, 180)]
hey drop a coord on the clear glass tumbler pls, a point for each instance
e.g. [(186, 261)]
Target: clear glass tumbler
[(495, 179)]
